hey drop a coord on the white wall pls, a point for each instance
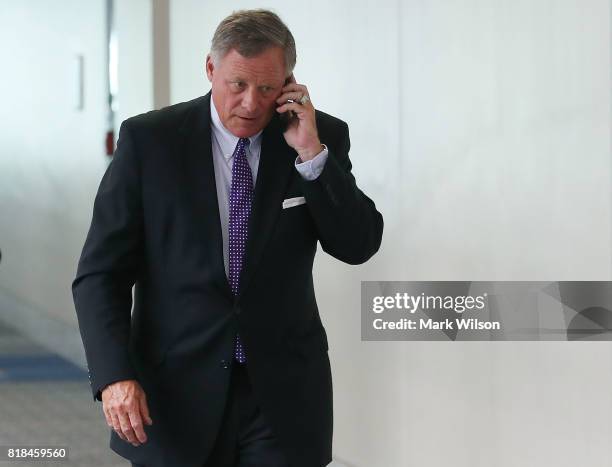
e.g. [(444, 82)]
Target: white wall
[(481, 129), (51, 154), (133, 24)]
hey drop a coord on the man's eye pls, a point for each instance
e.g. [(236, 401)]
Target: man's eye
[(266, 88), (238, 84)]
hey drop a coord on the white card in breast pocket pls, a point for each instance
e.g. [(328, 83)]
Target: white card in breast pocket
[(291, 202)]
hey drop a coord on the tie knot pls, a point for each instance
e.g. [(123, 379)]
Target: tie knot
[(241, 146)]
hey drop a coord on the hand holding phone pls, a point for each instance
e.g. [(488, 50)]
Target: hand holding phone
[(298, 117)]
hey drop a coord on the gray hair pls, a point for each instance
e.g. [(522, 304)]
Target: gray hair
[(251, 32)]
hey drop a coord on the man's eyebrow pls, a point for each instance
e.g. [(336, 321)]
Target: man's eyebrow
[(262, 85)]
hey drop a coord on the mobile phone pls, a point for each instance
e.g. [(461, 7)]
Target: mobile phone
[(289, 115)]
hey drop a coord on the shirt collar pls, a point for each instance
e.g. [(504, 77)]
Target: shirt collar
[(227, 140)]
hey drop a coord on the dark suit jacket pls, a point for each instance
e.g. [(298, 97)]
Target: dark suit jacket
[(156, 225)]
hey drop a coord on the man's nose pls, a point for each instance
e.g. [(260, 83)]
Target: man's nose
[(249, 100)]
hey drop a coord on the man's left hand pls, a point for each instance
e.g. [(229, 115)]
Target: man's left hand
[(301, 134)]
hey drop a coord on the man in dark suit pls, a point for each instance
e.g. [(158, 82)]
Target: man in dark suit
[(213, 209)]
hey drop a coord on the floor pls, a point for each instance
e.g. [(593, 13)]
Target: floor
[(46, 401)]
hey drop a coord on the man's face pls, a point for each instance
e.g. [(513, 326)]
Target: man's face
[(244, 90)]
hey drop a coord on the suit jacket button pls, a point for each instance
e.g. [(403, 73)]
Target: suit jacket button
[(225, 364)]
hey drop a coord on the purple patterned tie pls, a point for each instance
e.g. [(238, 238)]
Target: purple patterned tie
[(241, 197)]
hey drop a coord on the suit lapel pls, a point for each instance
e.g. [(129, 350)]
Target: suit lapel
[(199, 173), (274, 173)]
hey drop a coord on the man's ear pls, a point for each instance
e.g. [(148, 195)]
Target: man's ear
[(209, 68)]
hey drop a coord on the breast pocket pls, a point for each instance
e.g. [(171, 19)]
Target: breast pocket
[(294, 217), (295, 201)]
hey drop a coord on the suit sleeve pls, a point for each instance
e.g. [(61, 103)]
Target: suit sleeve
[(108, 268), (349, 226)]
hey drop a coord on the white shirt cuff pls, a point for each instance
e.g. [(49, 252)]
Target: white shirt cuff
[(312, 168)]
